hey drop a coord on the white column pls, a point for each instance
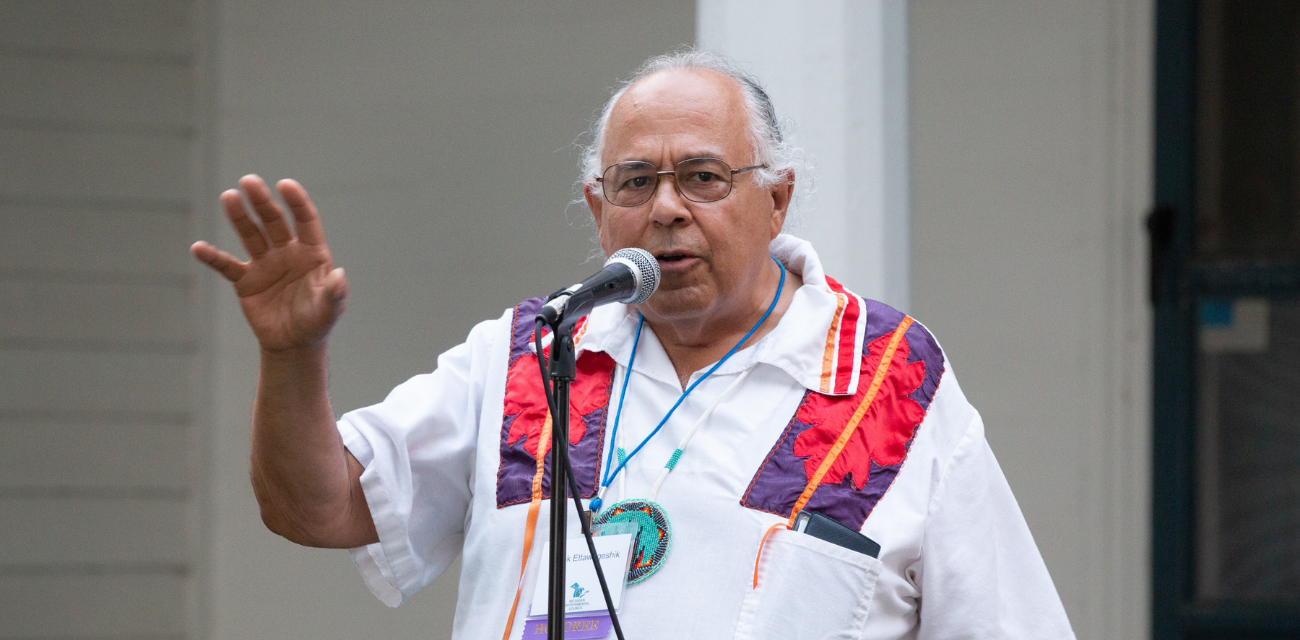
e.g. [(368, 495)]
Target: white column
[(838, 70)]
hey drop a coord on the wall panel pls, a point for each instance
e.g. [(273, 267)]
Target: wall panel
[(1031, 147), (107, 605), (98, 344), (75, 28), (53, 163), (63, 311), (41, 381), (123, 530), (94, 92), (148, 245), (61, 452)]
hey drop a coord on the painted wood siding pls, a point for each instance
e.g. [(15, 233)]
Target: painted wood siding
[(97, 339)]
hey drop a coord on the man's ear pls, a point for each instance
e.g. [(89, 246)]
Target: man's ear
[(595, 202), (782, 193)]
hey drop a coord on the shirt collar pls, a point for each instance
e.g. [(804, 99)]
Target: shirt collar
[(818, 341)]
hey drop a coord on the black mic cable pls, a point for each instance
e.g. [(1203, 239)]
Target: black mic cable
[(573, 483)]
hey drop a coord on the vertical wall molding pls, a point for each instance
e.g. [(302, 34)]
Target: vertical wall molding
[(838, 71), (203, 202), (1124, 586)]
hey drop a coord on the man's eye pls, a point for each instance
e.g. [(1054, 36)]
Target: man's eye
[(706, 176), (636, 183)]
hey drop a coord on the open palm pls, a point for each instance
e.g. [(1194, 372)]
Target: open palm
[(289, 290)]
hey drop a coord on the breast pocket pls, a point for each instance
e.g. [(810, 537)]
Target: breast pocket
[(808, 589)]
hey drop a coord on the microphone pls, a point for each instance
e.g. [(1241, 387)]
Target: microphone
[(630, 276)]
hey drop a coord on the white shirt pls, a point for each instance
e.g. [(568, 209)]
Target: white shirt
[(956, 559)]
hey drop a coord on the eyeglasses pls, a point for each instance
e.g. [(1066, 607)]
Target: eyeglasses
[(628, 184)]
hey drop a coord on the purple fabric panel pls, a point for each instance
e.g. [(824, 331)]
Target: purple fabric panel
[(883, 477), (846, 504), (882, 319), (515, 475), (517, 466), (924, 347), (782, 478), (584, 457), (521, 330)]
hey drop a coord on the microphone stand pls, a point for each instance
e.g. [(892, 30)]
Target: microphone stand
[(563, 370)]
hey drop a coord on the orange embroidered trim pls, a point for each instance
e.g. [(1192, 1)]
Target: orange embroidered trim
[(828, 357), (881, 370), (581, 330), (760, 548), (530, 525)]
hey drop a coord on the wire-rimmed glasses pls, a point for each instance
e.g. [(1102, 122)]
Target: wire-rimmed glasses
[(628, 184)]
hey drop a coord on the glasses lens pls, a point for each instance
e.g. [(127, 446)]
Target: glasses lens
[(703, 179), (629, 183)]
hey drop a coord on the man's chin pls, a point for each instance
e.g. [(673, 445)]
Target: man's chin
[(673, 304)]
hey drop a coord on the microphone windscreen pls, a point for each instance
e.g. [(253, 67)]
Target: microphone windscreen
[(646, 271)]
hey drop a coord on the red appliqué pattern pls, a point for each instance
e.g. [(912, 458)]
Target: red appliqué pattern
[(885, 430), (524, 414), (877, 448), (525, 400)]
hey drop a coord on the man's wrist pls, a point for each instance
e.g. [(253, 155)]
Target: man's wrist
[(310, 355)]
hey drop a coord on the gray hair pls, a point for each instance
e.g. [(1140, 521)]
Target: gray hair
[(767, 134)]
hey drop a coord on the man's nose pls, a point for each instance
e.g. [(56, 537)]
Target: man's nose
[(668, 207)]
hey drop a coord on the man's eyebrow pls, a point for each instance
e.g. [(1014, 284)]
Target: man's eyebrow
[(715, 153)]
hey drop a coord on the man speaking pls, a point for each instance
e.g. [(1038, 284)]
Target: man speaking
[(747, 408)]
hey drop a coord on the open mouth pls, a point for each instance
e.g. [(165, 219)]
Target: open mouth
[(673, 257)]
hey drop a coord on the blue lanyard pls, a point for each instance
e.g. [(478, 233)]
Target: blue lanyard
[(595, 504)]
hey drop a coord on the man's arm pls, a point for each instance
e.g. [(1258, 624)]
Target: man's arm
[(981, 573), (307, 484)]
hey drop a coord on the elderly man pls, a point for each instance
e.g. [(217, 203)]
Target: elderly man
[(750, 387)]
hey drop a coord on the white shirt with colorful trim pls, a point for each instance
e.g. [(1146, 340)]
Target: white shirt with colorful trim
[(450, 459)]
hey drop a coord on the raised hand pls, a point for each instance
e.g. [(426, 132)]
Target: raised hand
[(289, 290)]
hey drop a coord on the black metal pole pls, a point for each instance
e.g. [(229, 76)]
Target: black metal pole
[(563, 370)]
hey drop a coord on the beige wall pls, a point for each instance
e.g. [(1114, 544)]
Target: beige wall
[(98, 340), (1031, 171), (436, 139)]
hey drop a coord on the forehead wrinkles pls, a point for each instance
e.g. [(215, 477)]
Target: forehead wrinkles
[(680, 108)]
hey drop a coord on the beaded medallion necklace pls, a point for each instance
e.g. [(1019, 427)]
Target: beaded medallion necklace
[(654, 536)]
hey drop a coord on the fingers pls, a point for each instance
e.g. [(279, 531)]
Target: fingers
[(224, 263), (274, 230), (271, 214), (305, 219), (250, 235)]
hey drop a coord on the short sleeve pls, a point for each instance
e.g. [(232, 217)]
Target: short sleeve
[(981, 574), (418, 450)]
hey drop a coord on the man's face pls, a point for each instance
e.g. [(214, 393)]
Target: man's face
[(712, 255)]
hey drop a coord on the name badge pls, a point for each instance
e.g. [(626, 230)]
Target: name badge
[(584, 605)]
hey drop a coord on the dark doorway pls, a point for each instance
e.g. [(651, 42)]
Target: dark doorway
[(1226, 296)]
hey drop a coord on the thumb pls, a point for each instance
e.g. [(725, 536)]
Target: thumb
[(336, 285)]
